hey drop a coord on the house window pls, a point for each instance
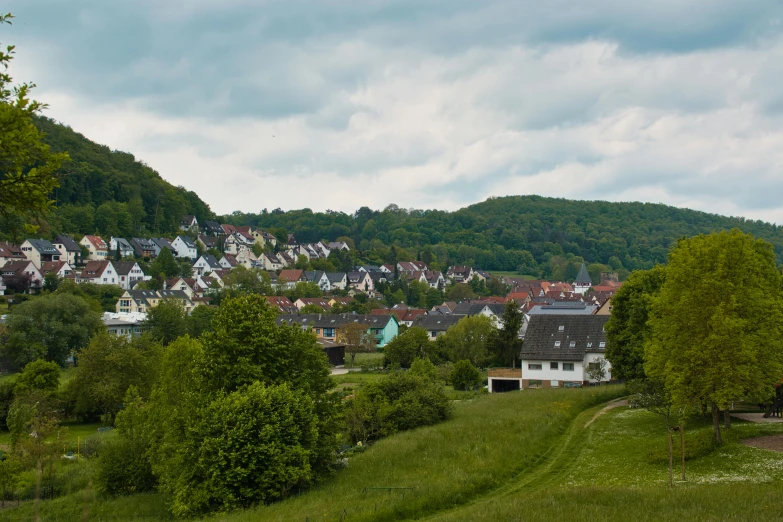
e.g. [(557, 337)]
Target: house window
[(572, 344), (557, 343), (318, 331), (554, 384), (534, 366), (561, 328), (568, 367), (602, 345), (328, 332), (554, 366)]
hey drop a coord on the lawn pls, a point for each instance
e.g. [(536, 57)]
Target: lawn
[(373, 358), (490, 440)]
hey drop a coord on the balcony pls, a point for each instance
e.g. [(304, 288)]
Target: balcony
[(505, 373)]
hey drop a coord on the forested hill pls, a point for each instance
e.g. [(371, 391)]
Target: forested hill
[(112, 193), (534, 233)]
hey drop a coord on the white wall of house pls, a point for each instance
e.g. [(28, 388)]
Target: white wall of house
[(547, 373), (183, 250)]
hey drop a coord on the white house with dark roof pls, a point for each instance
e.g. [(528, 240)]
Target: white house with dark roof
[(69, 249), (129, 273), (22, 269), (99, 273), (189, 223), (121, 244), (184, 247), (40, 251), (205, 264)]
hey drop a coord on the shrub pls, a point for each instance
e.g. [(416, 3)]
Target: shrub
[(424, 368), (123, 468), (465, 376), (398, 402)]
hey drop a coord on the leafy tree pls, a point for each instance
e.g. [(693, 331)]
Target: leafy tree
[(6, 399), (627, 329), (200, 321), (28, 168), (459, 291), (38, 375), (311, 309), (51, 282), (51, 327), (596, 370), (10, 473), (716, 324), (165, 264), (424, 368), (304, 290), (469, 339), (167, 321), (107, 369), (465, 376), (406, 347), (357, 339), (504, 346), (99, 297)]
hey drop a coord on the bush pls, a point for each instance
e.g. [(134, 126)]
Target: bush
[(398, 402), (123, 469), (92, 446), (424, 368), (465, 376)]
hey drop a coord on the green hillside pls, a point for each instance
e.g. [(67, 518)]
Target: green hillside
[(111, 192), (537, 235)]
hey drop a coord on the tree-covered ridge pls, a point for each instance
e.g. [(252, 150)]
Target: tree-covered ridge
[(533, 234), (111, 192)]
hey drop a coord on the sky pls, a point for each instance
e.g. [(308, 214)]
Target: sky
[(426, 104)]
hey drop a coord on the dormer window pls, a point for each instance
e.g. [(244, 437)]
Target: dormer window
[(557, 343), (561, 328), (602, 344), (572, 344)]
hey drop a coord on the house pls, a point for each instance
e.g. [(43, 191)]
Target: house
[(582, 283), (263, 238), (98, 249), (286, 259), (269, 262), (320, 302), (405, 316), (460, 274), (487, 309), (383, 328), (563, 308), (189, 285), (159, 243), (207, 242), (212, 228), (434, 278), (337, 280), (122, 245), (205, 264), (129, 324), (99, 273), (144, 300), (9, 252), (436, 325), (519, 298), (22, 276), (39, 251), (238, 241), (342, 301), (143, 247), (559, 349), (184, 247), (320, 278), (129, 273), (70, 251), (605, 308), (291, 277), (189, 224), (338, 245), (411, 266), (361, 282), (60, 268), (246, 258), (228, 261), (282, 304)]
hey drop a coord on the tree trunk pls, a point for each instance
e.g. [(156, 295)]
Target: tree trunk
[(726, 419), (682, 449), (716, 424), (671, 463)]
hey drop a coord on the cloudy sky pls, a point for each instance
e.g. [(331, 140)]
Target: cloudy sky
[(427, 104)]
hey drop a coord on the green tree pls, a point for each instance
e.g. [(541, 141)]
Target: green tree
[(424, 368), (469, 339), (505, 344), (465, 376), (28, 168), (167, 321), (51, 327), (165, 264), (51, 282), (38, 375), (10, 473), (627, 330), (200, 320), (459, 291), (406, 347), (357, 339), (716, 324)]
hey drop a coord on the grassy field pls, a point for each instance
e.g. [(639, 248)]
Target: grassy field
[(375, 358), (490, 439)]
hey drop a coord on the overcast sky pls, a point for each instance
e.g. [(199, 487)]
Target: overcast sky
[(428, 104)]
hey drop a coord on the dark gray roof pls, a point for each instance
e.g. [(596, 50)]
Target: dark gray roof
[(336, 277), (473, 308), (335, 320), (162, 243), (123, 243), (67, 242), (436, 323), (586, 332), (583, 276), (212, 261), (212, 227), (44, 246), (123, 267), (564, 308), (188, 242)]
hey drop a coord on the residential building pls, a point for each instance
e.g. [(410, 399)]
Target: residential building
[(189, 224), (60, 268), (144, 300), (212, 228), (361, 282), (99, 273), (40, 251), (228, 261), (460, 274), (436, 325), (320, 278), (69, 249), (129, 324), (159, 243), (97, 247), (22, 276), (337, 280), (282, 304), (9, 252), (406, 316), (338, 245), (144, 247), (270, 262), (207, 242), (291, 277), (121, 245), (327, 326), (411, 266), (205, 264), (184, 248), (320, 302), (129, 273)]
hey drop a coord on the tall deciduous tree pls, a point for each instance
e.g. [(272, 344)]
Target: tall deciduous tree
[(627, 329), (167, 321), (469, 339), (27, 167), (357, 339), (716, 325)]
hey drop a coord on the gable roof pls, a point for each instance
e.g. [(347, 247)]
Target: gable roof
[(94, 269), (122, 243), (67, 242), (51, 266), (550, 337), (436, 323), (97, 242), (16, 267), (124, 267), (292, 276), (188, 242), (211, 261), (188, 220), (44, 246), (9, 250), (583, 277)]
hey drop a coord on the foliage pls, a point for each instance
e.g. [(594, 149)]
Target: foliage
[(107, 368), (6, 399), (504, 346), (10, 471), (400, 401), (51, 327), (167, 321), (424, 368), (165, 264), (200, 320), (99, 297), (596, 370), (469, 339), (716, 324), (465, 376), (627, 329), (38, 375), (406, 347), (28, 167), (357, 339), (311, 309)]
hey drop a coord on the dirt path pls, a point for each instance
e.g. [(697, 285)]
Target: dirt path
[(771, 442), (552, 465)]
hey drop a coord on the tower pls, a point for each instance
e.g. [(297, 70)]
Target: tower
[(583, 281)]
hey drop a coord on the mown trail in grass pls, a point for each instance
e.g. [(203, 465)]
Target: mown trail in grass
[(616, 470), (490, 439)]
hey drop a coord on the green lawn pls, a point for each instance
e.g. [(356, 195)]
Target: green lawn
[(364, 358), (73, 433)]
